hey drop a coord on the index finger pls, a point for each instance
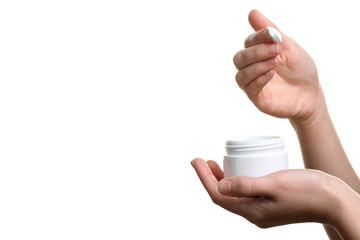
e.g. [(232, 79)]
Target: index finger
[(207, 178), (266, 35)]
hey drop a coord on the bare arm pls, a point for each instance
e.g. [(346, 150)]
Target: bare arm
[(322, 150), (284, 83), (347, 214), (321, 147)]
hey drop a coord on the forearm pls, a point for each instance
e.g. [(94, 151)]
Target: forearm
[(322, 150), (321, 147), (349, 229), (347, 217)]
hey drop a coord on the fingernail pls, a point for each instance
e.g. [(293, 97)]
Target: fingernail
[(267, 35), (270, 62), (224, 187), (273, 49)]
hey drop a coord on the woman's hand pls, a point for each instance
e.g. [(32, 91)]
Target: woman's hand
[(284, 197), (279, 78)]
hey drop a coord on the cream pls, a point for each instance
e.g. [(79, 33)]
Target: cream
[(275, 35)]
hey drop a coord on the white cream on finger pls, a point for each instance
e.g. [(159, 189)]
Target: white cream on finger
[(275, 35)]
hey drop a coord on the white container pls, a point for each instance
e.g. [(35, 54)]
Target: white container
[(254, 156)]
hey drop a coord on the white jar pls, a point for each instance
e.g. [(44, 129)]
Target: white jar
[(254, 156)]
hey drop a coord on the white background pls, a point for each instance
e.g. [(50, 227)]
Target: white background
[(103, 104)]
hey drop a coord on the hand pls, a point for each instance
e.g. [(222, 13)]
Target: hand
[(279, 78), (284, 197)]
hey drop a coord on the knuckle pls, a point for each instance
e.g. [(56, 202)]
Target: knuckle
[(250, 90), (261, 68), (257, 216), (270, 49), (269, 63), (282, 183), (257, 52), (246, 74), (248, 40), (259, 219), (255, 86), (243, 186), (263, 225), (237, 59), (215, 200), (240, 58), (238, 78)]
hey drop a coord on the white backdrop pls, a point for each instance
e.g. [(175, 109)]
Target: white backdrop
[(103, 104)]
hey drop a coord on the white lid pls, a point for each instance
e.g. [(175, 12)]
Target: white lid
[(254, 141)]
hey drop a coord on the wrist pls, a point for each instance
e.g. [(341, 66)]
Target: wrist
[(317, 116), (330, 200), (345, 216), (336, 195)]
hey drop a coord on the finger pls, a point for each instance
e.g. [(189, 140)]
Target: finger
[(207, 178), (250, 73), (262, 36), (256, 53), (216, 170), (247, 186), (255, 87), (232, 204), (259, 21)]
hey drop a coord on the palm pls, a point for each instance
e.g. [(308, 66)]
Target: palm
[(293, 90)]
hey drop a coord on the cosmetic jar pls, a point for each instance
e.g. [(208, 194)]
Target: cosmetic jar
[(254, 156)]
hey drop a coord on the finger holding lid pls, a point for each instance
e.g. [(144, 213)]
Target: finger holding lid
[(266, 35)]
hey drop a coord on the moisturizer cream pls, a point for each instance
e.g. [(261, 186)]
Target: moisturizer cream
[(275, 35)]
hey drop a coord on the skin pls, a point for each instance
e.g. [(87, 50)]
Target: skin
[(284, 197), (292, 90), (281, 80)]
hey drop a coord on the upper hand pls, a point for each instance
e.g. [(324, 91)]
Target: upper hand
[(279, 78)]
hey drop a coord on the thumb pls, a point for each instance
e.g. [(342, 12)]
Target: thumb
[(259, 21), (247, 186)]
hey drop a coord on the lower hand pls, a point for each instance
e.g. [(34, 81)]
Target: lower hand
[(283, 197)]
